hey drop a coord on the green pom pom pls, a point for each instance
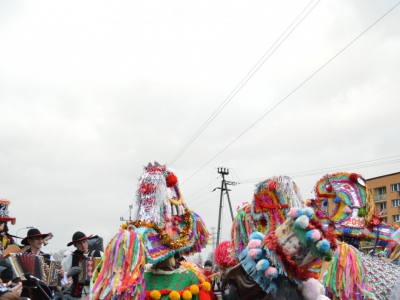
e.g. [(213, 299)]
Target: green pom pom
[(328, 256), (361, 212)]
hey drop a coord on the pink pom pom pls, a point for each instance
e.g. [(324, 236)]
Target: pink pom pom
[(347, 209), (253, 253), (316, 235), (254, 244), (293, 212), (270, 273), (312, 289)]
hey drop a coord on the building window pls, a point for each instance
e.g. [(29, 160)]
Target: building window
[(395, 202), (381, 190), (384, 219), (395, 187), (396, 218), (382, 206), (380, 193)]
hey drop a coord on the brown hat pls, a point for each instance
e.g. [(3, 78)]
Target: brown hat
[(77, 237), (33, 233)]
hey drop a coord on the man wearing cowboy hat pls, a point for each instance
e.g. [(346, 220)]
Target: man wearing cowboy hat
[(34, 241), (70, 264)]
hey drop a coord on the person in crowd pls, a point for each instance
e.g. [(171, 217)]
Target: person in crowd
[(33, 243), (79, 289), (7, 286), (208, 268), (7, 294), (178, 259)]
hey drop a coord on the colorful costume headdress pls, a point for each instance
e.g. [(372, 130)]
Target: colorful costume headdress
[(289, 251), (271, 201), (223, 255), (163, 225), (4, 213), (353, 209)]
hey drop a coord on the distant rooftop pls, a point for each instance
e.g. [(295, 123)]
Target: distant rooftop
[(383, 176)]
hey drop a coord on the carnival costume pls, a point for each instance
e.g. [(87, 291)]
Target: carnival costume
[(263, 233), (5, 238), (163, 225), (268, 210), (350, 274)]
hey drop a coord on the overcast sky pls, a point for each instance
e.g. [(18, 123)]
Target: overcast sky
[(92, 91)]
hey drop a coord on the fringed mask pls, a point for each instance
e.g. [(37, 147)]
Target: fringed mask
[(289, 251), (271, 201), (344, 201)]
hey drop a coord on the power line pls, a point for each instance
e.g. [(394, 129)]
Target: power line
[(213, 198), (287, 96), (358, 165), (319, 171), (207, 185), (198, 197), (249, 75)]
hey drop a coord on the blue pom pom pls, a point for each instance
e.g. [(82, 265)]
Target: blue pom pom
[(325, 203), (347, 231), (262, 265), (337, 199), (309, 212), (302, 222), (309, 235), (323, 246), (257, 236), (300, 212)]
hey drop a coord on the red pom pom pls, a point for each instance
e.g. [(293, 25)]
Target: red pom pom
[(171, 179), (329, 188), (353, 177), (272, 185)]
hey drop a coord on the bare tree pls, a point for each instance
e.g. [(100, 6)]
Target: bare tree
[(210, 257), (200, 259)]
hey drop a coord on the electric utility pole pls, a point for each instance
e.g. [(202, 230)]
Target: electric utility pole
[(130, 214), (213, 238), (223, 188)]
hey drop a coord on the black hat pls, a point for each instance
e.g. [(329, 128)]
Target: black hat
[(33, 233), (77, 237), (208, 263)]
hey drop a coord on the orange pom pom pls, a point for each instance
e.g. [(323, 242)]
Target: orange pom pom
[(186, 295), (206, 286), (201, 280), (174, 295), (155, 295), (194, 289)]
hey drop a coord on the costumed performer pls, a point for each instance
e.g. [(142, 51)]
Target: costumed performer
[(162, 226)]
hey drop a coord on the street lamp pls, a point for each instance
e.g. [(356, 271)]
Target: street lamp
[(29, 227)]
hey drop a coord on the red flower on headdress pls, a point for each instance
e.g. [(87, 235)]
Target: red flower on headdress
[(171, 179), (146, 188), (272, 185)]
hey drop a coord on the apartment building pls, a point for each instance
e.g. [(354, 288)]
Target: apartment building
[(386, 192)]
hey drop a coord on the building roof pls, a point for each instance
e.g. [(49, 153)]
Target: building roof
[(383, 176)]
